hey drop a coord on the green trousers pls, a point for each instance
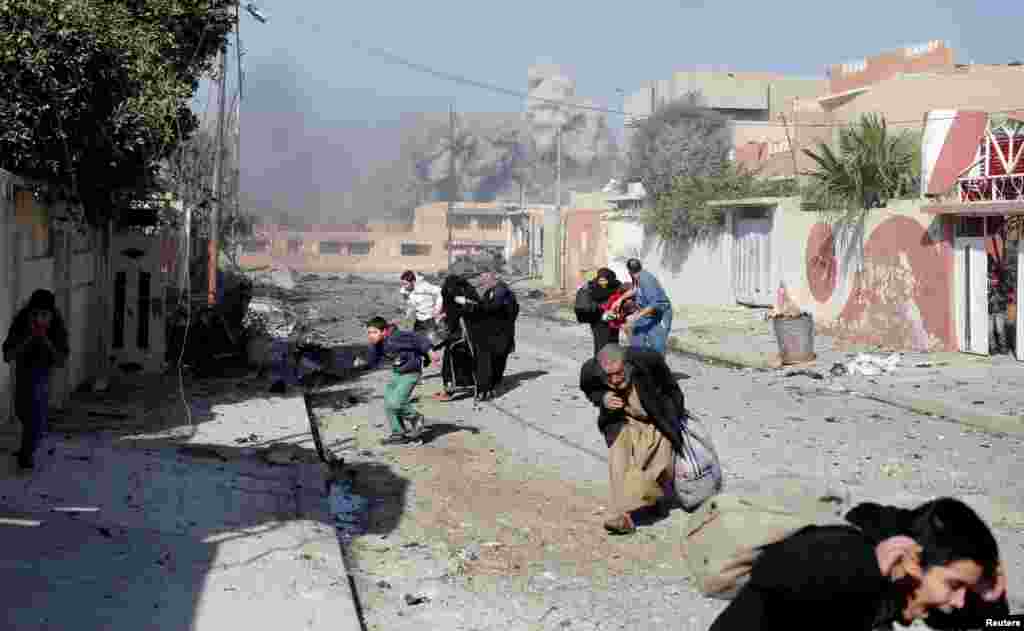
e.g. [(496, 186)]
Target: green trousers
[(397, 395)]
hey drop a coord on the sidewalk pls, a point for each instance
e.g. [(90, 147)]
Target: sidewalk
[(175, 529), (984, 392)]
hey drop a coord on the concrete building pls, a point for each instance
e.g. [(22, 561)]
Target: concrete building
[(753, 100), (902, 85), (476, 228)]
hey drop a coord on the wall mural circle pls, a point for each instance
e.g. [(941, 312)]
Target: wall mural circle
[(821, 262)]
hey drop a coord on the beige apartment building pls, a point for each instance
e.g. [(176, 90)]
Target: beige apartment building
[(420, 245)]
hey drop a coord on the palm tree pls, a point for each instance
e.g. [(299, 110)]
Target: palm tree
[(871, 167)]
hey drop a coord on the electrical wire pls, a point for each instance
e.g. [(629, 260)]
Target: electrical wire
[(396, 59)]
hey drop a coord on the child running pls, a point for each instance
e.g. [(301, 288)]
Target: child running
[(410, 354)]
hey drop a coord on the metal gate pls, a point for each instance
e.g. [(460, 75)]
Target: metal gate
[(751, 258)]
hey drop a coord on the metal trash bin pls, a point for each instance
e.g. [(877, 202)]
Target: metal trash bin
[(795, 337)]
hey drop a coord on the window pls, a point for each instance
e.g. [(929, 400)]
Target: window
[(330, 247), (415, 249), (460, 222), (970, 227), (755, 212), (256, 246), (360, 249), (489, 223), (294, 246)]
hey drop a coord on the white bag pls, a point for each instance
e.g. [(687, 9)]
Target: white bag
[(698, 472)]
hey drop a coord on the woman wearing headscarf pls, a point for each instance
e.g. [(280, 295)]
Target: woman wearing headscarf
[(36, 343), (603, 289)]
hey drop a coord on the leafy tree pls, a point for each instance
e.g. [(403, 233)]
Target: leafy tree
[(679, 139), (683, 212), (96, 92), (871, 167)]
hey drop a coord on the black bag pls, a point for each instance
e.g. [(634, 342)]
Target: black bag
[(587, 310)]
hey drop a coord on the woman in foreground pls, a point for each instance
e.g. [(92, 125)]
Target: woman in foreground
[(938, 563)]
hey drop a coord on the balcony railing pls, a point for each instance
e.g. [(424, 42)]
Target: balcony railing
[(992, 188)]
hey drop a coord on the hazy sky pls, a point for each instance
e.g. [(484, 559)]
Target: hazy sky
[(317, 108)]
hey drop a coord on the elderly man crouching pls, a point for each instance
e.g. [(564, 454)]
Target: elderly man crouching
[(641, 405)]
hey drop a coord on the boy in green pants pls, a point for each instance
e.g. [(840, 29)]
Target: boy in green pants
[(410, 354)]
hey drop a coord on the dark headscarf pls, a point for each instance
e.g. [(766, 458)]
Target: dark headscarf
[(602, 294), (41, 300)]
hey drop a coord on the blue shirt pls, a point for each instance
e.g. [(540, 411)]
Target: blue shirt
[(650, 294), (407, 348)]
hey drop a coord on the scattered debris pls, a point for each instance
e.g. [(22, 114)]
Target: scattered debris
[(813, 374), (470, 553), (287, 454), (251, 438), (382, 584), (873, 365), (202, 451), (418, 599), (347, 508)]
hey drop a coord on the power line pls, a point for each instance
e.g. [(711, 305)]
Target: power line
[(396, 59), (450, 76)]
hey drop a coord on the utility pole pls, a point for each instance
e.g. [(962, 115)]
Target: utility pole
[(237, 188), (453, 186), (553, 221), (218, 177)]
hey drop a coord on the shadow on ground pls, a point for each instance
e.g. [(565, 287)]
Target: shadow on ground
[(437, 430), (181, 523), (513, 381)]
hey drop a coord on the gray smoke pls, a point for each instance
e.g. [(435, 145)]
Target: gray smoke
[(504, 155)]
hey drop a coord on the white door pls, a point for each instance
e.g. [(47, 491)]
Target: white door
[(752, 263), (972, 294), (137, 342)]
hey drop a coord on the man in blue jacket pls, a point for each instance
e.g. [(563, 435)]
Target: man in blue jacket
[(651, 324), (409, 353)]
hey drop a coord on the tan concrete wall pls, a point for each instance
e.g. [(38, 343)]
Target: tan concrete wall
[(985, 88)]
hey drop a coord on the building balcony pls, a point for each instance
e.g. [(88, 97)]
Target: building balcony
[(991, 188)]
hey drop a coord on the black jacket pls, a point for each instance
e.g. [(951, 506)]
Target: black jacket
[(828, 577), (659, 393)]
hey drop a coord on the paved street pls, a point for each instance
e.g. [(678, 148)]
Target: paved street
[(173, 529), (493, 523), (508, 497)]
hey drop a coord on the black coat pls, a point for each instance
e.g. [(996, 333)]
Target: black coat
[(828, 576), (659, 393)]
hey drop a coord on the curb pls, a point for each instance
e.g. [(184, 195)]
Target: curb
[(991, 422), (995, 423)]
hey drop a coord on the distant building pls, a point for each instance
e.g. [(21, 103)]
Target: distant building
[(755, 101)]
